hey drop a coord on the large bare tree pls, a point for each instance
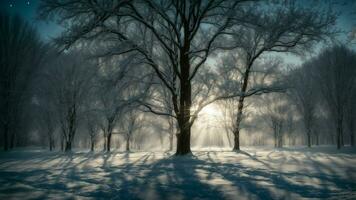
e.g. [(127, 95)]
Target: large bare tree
[(185, 31)]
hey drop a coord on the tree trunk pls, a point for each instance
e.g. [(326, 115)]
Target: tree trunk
[(280, 139), (183, 141), (339, 133), (68, 146), (92, 145), (53, 144), (352, 138), (62, 143), (342, 138), (171, 141), (171, 133), (236, 140), (308, 138), (12, 140), (128, 143), (105, 141), (108, 142), (240, 108), (351, 130), (6, 132), (317, 138), (185, 102), (275, 138), (50, 144), (238, 123)]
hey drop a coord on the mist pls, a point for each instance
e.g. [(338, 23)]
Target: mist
[(120, 95)]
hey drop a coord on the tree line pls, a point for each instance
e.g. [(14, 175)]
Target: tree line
[(116, 61)]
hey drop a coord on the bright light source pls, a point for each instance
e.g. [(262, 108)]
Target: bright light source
[(211, 111)]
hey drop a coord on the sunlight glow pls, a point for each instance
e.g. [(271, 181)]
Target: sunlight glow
[(211, 111)]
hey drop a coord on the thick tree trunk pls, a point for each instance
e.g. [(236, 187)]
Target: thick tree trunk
[(183, 141), (236, 140), (185, 103)]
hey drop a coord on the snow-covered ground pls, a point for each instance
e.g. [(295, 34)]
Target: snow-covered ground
[(254, 173)]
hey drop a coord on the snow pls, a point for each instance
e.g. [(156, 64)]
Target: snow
[(253, 173)]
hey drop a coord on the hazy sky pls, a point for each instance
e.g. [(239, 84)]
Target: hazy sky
[(27, 9)]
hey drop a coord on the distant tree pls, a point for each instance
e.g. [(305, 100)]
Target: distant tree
[(276, 113), (69, 79), (335, 72), (303, 92), (93, 127), (21, 53), (121, 84), (351, 117), (47, 120), (133, 123)]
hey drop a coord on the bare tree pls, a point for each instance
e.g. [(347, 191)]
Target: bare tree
[(351, 116), (335, 73), (47, 118), (69, 78), (276, 112), (304, 95), (185, 31), (21, 54), (133, 123), (122, 83), (291, 28), (93, 127)]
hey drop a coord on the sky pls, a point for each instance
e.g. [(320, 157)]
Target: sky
[(27, 9), (346, 21)]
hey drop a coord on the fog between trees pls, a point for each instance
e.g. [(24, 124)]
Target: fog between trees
[(147, 75)]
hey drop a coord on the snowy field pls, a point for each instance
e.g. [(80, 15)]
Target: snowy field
[(254, 173)]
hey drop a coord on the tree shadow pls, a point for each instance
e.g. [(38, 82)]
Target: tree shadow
[(149, 175)]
